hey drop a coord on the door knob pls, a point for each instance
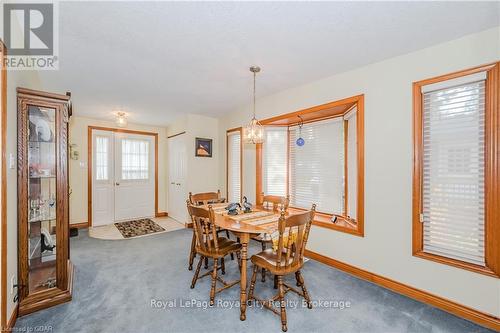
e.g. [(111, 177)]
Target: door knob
[(178, 184), (117, 184)]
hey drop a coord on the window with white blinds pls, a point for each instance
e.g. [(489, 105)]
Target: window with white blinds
[(274, 161), (352, 164), (234, 166), (453, 181), (135, 159), (317, 167)]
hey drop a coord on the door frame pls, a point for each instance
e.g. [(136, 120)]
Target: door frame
[(3, 195), (90, 163)]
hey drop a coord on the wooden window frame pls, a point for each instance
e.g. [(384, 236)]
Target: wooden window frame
[(492, 172), (317, 113), (237, 129)]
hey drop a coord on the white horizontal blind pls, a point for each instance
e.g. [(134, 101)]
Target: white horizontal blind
[(274, 161), (352, 164), (135, 159), (453, 171), (317, 168), (233, 166)]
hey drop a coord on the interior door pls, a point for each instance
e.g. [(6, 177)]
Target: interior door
[(134, 176), (177, 194), (103, 206)]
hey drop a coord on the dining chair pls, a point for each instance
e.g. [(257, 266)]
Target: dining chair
[(276, 203), (197, 199), (210, 245), (288, 258)]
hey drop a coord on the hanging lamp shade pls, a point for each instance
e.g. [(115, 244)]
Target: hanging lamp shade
[(253, 133)]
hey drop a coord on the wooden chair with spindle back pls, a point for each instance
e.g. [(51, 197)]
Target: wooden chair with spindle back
[(287, 259), (210, 245), (276, 203), (202, 199)]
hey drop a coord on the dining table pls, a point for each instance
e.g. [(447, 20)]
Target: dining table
[(244, 226)]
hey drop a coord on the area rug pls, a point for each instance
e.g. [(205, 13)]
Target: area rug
[(112, 232), (136, 228)]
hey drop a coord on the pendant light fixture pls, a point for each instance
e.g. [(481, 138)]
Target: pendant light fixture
[(253, 133)]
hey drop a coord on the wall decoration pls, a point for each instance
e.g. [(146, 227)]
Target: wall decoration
[(203, 147)]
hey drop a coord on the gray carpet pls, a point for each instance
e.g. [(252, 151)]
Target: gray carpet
[(116, 282)]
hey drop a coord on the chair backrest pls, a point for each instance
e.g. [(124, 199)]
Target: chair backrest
[(295, 229), (276, 202), (204, 228), (205, 198)]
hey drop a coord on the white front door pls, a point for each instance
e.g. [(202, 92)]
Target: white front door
[(177, 194), (123, 185)]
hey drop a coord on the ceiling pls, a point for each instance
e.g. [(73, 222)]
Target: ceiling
[(159, 60)]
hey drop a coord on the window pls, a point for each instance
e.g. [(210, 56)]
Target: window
[(275, 161), (135, 159), (324, 170), (317, 167), (234, 165), (102, 157), (452, 147)]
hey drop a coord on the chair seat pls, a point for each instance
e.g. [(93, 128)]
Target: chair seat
[(268, 259), (263, 238), (225, 245)]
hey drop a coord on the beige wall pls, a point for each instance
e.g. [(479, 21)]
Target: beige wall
[(78, 173), (386, 248), (25, 79)]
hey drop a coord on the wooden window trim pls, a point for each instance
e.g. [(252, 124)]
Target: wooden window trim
[(492, 172), (314, 114), (237, 129)]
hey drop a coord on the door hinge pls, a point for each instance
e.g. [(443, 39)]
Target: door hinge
[(421, 218)]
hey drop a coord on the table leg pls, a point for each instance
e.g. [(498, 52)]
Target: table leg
[(244, 239)]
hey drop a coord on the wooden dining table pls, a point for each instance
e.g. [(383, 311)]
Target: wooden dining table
[(244, 226)]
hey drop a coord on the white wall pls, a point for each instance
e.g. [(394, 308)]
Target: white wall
[(25, 79), (386, 248), (78, 128)]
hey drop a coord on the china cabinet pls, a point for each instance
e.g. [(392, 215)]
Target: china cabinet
[(44, 269)]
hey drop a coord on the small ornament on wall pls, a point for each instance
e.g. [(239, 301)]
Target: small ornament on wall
[(203, 147)]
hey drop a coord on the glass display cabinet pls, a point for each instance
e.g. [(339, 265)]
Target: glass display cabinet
[(44, 269)]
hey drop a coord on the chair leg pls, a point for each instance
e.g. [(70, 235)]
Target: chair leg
[(304, 290), (196, 273), (206, 263), (192, 253), (297, 278), (282, 303), (275, 282), (214, 280), (222, 266), (263, 279), (252, 283), (227, 235)]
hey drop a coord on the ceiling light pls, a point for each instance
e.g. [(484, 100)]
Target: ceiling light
[(253, 132), (121, 120)]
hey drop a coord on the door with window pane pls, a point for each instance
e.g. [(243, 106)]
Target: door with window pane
[(123, 176)]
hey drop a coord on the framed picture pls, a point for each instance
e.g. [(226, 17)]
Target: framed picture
[(203, 147)]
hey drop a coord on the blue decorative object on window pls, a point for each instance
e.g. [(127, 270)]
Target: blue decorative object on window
[(300, 142)]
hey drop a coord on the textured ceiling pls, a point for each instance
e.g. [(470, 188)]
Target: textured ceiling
[(158, 60)]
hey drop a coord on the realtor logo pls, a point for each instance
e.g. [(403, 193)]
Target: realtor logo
[(29, 33)]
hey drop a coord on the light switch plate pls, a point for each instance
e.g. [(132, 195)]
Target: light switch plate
[(12, 161)]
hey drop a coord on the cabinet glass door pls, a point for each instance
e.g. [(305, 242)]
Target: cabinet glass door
[(41, 198)]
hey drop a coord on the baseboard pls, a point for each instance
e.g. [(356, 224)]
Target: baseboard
[(12, 321), (82, 225), (161, 214), (456, 309)]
